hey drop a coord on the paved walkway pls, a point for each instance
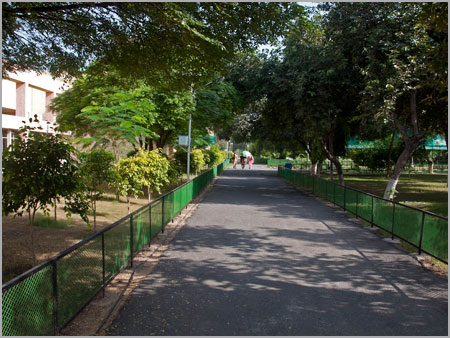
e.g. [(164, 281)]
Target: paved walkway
[(260, 258)]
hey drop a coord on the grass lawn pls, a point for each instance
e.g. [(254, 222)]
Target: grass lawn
[(424, 191)]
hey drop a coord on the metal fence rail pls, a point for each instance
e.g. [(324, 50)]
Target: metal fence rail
[(348, 164), (424, 230), (46, 298)]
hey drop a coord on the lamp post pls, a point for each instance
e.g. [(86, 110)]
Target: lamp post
[(189, 148)]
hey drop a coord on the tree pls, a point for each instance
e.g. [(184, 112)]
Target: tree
[(96, 171), (39, 169), (392, 51), (106, 110), (308, 91), (156, 167), (130, 177), (165, 42)]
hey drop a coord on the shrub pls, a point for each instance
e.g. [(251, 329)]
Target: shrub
[(214, 156), (197, 161)]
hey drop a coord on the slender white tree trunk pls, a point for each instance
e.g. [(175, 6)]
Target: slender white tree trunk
[(430, 166), (319, 168), (314, 168), (411, 144)]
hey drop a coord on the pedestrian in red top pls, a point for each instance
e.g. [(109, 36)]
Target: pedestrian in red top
[(250, 160)]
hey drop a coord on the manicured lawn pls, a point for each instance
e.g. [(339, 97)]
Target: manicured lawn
[(423, 191)]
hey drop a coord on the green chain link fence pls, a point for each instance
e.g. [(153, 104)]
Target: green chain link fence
[(424, 230), (44, 299)]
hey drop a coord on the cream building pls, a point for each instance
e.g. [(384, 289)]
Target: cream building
[(24, 95)]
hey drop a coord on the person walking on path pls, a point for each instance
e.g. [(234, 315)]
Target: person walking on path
[(235, 160), (243, 161), (250, 161)]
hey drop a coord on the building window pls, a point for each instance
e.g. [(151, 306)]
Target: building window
[(38, 101), (12, 136), (5, 139)]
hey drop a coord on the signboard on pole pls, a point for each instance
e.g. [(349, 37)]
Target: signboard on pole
[(183, 140)]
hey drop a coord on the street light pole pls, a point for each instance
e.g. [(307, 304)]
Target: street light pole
[(189, 149)]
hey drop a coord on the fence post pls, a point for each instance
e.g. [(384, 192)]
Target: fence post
[(421, 233), (150, 223), (55, 298), (103, 262), (371, 218), (162, 216), (393, 218), (356, 204), (131, 241)]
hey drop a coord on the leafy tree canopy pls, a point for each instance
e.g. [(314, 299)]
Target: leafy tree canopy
[(105, 109), (158, 41)]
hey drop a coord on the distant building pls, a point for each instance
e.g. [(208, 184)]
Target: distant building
[(24, 95)]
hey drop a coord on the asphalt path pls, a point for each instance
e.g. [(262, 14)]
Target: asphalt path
[(258, 257)]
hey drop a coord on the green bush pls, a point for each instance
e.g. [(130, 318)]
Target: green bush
[(197, 161), (174, 172), (214, 156), (376, 158)]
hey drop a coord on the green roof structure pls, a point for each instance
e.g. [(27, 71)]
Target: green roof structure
[(437, 142)]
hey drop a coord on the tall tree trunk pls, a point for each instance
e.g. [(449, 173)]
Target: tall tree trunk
[(411, 144), (148, 192), (399, 165), (31, 222), (55, 209), (388, 164), (314, 167), (319, 168), (430, 163), (331, 171), (116, 157), (95, 215), (333, 158), (129, 204)]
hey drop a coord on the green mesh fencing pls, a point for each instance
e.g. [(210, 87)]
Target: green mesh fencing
[(168, 208), (177, 201), (141, 229), (80, 270), (364, 206), (382, 213), (351, 200), (156, 217), (404, 222), (27, 307), (117, 248), (435, 236), (339, 195), (407, 224)]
